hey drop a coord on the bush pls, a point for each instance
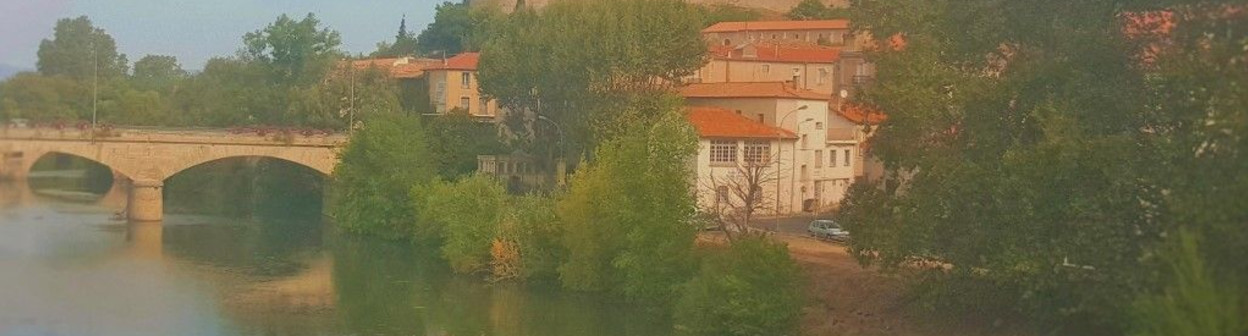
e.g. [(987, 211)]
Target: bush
[(468, 212), (752, 288), (531, 228), (1193, 301), (627, 219), (373, 182)]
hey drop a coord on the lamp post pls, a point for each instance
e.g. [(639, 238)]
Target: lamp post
[(778, 124), (562, 146)]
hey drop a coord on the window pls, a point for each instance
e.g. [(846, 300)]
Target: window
[(727, 42), (465, 102), (757, 152), (485, 107), (766, 68), (803, 141), (797, 36), (832, 158), (818, 125), (738, 112), (818, 159), (775, 36), (721, 194), (847, 158), (723, 151), (761, 120), (823, 76), (465, 80)]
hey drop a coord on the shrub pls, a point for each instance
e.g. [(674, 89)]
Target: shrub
[(1193, 301), (373, 181), (752, 288), (469, 212), (530, 226)]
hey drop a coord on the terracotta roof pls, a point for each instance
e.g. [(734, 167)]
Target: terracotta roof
[(859, 113), (728, 27), (464, 61), (397, 67), (714, 122), (778, 52), (749, 90)]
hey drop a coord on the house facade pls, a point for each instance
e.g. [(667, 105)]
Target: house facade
[(731, 147), (453, 85), (823, 159), (826, 32)]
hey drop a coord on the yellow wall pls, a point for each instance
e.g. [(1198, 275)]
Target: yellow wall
[(451, 82), (739, 71)]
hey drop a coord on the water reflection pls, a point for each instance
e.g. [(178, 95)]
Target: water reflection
[(68, 269)]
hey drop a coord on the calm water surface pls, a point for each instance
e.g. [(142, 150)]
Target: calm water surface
[(67, 268)]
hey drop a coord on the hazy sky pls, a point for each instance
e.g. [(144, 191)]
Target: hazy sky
[(195, 31)]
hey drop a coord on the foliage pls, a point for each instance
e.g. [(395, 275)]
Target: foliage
[(576, 62), (531, 228), (815, 10), (722, 12), (382, 170), (404, 44), (79, 50), (44, 98), (1193, 301), (457, 139), (627, 217), (1038, 156), (157, 72), (293, 52), (752, 288), (342, 97), (468, 212), (456, 28)]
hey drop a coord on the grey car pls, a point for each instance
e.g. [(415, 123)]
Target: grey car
[(827, 229)]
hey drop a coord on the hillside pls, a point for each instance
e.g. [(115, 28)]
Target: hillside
[(7, 71)]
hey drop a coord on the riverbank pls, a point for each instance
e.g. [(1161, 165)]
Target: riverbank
[(847, 299)]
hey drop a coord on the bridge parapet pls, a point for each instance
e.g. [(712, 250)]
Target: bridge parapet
[(175, 136)]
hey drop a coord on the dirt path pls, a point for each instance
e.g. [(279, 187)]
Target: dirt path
[(847, 299)]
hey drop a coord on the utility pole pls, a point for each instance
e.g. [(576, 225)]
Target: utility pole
[(95, 90)]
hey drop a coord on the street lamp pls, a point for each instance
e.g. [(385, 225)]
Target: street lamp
[(562, 146), (778, 124)]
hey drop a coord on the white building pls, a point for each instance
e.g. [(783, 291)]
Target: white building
[(813, 168)]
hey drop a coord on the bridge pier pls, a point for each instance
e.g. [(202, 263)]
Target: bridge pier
[(146, 202)]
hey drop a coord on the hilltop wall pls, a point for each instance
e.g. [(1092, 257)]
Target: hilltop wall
[(780, 6)]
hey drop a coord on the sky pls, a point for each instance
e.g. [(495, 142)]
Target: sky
[(197, 30)]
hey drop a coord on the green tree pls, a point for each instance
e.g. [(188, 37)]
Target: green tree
[(44, 98), (456, 28), (815, 10), (294, 52), (80, 50), (576, 62), (383, 170), (627, 217), (1194, 300), (228, 92), (716, 13), (457, 139), (468, 212), (1039, 151), (752, 288), (404, 43), (158, 72)]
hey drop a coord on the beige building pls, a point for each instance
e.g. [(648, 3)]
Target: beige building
[(825, 32), (816, 169), (453, 85)]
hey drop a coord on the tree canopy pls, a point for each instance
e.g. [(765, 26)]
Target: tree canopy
[(80, 50), (293, 51), (1039, 152), (816, 10)]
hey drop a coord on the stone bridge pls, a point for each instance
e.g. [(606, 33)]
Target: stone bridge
[(146, 157)]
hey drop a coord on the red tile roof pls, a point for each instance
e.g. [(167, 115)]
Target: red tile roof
[(749, 90), (397, 67), (714, 122), (859, 113), (778, 52), (729, 27), (464, 61)]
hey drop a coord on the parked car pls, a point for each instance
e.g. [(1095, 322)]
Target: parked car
[(827, 229)]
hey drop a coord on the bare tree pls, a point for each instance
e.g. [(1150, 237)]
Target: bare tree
[(739, 196)]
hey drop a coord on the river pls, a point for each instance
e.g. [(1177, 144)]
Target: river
[(68, 268)]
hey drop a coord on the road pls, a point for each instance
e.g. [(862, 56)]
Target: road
[(794, 225)]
